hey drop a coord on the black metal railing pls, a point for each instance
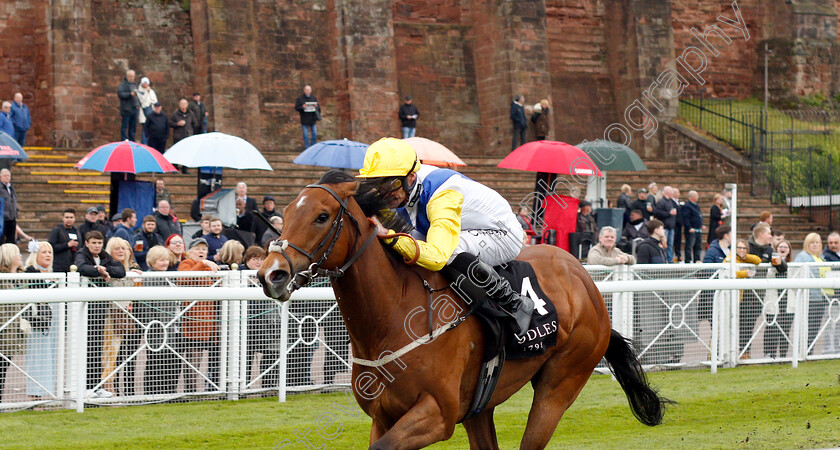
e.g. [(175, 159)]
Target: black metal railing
[(792, 154)]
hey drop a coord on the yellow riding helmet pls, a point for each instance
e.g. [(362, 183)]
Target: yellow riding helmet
[(389, 157)]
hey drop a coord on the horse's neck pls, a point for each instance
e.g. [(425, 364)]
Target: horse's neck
[(374, 296)]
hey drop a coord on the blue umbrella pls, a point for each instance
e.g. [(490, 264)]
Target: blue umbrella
[(340, 154), (10, 149)]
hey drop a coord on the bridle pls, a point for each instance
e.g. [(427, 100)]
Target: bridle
[(314, 270)]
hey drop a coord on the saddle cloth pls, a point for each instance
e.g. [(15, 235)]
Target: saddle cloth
[(541, 334)]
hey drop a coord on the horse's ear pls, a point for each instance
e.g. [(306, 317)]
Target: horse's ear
[(348, 189)]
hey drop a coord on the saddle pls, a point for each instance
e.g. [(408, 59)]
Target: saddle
[(501, 342)]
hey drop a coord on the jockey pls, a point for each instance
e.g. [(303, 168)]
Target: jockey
[(462, 227)]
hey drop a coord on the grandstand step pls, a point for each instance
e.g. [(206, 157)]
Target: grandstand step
[(46, 149), (40, 164), (93, 200), (47, 157), (97, 183), (73, 191), (73, 174)]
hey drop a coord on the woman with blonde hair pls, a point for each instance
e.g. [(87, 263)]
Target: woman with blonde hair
[(163, 367), (230, 254), (749, 313), (812, 253), (715, 217), (12, 337), (625, 202), (121, 336), (779, 305), (42, 344), (541, 119)]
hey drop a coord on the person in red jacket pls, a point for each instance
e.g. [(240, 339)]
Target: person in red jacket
[(200, 320)]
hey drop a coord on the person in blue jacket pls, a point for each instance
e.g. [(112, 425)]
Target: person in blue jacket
[(719, 248), (20, 119), (692, 221), (6, 125)]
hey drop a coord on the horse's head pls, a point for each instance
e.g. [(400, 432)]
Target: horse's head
[(318, 234)]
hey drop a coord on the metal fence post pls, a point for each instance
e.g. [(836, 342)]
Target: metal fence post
[(61, 349), (244, 370), (284, 349), (229, 379), (77, 354)]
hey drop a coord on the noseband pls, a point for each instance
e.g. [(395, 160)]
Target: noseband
[(280, 246)]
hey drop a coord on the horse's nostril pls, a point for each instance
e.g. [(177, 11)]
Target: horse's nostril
[(278, 277)]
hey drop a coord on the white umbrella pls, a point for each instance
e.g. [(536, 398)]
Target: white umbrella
[(216, 150)]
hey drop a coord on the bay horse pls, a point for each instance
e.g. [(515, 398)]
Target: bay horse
[(424, 393)]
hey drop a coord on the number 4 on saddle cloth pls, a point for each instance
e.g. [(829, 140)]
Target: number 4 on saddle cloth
[(501, 342)]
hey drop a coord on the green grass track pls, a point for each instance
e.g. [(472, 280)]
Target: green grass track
[(747, 407)]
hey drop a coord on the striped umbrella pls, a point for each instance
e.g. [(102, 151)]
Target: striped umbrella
[(125, 156)]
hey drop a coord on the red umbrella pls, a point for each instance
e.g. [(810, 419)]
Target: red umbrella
[(551, 157), (125, 156)]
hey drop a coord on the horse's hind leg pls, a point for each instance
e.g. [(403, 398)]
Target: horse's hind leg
[(482, 431), (554, 392)]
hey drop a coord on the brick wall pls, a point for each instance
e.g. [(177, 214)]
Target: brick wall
[(462, 59), (693, 154), (27, 61), (153, 39), (436, 69), (580, 75), (733, 72), (292, 52)]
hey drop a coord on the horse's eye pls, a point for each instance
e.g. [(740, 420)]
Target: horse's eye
[(322, 218)]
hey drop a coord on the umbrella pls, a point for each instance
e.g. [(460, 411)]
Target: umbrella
[(217, 150), (609, 155), (10, 149), (125, 156), (340, 154), (431, 152), (550, 157)]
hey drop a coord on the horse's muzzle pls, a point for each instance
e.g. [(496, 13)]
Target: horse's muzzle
[(275, 284)]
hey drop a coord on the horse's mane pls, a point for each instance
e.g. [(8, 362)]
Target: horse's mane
[(371, 202)]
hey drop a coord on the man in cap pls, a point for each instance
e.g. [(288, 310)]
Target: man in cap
[(268, 212), (466, 227), (91, 223), (157, 128), (408, 117), (102, 217), (585, 220), (642, 204)]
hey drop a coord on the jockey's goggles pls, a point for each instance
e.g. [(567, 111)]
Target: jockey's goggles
[(391, 184)]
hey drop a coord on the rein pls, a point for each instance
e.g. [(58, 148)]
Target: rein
[(280, 245)]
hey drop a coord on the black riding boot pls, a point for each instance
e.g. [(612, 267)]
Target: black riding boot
[(475, 279)]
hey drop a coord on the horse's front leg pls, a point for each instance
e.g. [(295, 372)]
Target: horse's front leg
[(423, 425), (376, 432)]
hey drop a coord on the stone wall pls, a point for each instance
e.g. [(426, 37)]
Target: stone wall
[(158, 45), (703, 155), (733, 72), (462, 60), (581, 81), (292, 52), (436, 69), (26, 54)]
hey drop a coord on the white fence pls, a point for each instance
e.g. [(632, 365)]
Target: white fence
[(166, 336)]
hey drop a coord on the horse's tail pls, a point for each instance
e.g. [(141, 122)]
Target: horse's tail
[(647, 405)]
